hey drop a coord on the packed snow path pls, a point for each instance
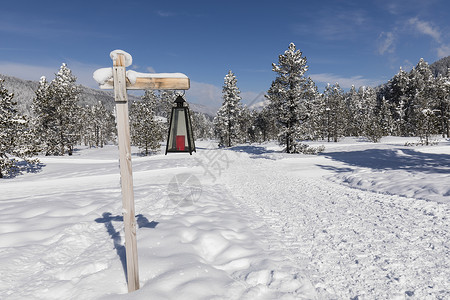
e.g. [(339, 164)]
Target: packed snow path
[(357, 244)]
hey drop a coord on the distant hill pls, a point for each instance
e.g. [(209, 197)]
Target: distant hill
[(441, 66), (24, 93)]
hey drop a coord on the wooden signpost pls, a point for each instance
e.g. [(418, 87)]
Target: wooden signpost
[(120, 83)]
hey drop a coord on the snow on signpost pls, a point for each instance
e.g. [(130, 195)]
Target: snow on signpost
[(120, 80)]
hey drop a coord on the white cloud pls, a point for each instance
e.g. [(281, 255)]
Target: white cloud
[(27, 72), (345, 82), (165, 13), (205, 94), (386, 43), (443, 51), (249, 98), (426, 28), (82, 71), (434, 32), (151, 69)]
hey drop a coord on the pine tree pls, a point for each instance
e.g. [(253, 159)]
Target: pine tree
[(397, 96), (15, 135), (146, 128), (265, 125), (442, 95), (287, 95), (371, 120), (202, 126), (226, 122), (309, 128), (57, 112), (352, 112), (420, 77), (98, 125), (245, 120), (333, 112), (386, 120), (44, 113)]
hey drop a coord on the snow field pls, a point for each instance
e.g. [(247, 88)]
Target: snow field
[(248, 222), (62, 236)]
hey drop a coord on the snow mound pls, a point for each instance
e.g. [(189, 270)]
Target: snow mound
[(103, 75), (133, 75), (128, 58)]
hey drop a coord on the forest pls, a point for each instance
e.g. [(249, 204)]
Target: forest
[(58, 116)]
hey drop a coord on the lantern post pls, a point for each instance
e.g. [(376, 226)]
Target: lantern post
[(120, 81)]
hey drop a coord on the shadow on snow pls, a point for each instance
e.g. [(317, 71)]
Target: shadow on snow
[(252, 150), (107, 219), (393, 159), (21, 167)]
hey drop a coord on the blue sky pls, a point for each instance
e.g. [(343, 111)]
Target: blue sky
[(350, 42)]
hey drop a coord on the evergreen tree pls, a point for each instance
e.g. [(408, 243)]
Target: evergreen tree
[(226, 122), (442, 95), (287, 95), (246, 129), (419, 78), (265, 125), (397, 96), (98, 125), (57, 112), (352, 112), (333, 112), (15, 136), (371, 121), (309, 128), (202, 126), (386, 120), (44, 113), (146, 128)]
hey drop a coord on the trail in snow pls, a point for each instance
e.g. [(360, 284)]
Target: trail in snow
[(358, 244)]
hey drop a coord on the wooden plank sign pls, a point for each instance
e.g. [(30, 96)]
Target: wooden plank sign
[(152, 83)]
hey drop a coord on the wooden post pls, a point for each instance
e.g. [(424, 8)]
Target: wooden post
[(126, 176), (120, 84)]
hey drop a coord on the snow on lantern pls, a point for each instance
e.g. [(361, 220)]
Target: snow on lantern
[(180, 138)]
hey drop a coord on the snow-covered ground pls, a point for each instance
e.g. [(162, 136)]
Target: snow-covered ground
[(360, 221)]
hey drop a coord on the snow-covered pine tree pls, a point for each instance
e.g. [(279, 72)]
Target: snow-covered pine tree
[(353, 112), (397, 96), (43, 117), (442, 94), (287, 95), (370, 117), (245, 120), (57, 112), (146, 128), (98, 125), (226, 122), (386, 120), (65, 96), (419, 78), (333, 112), (202, 126), (262, 124), (15, 136), (310, 127)]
